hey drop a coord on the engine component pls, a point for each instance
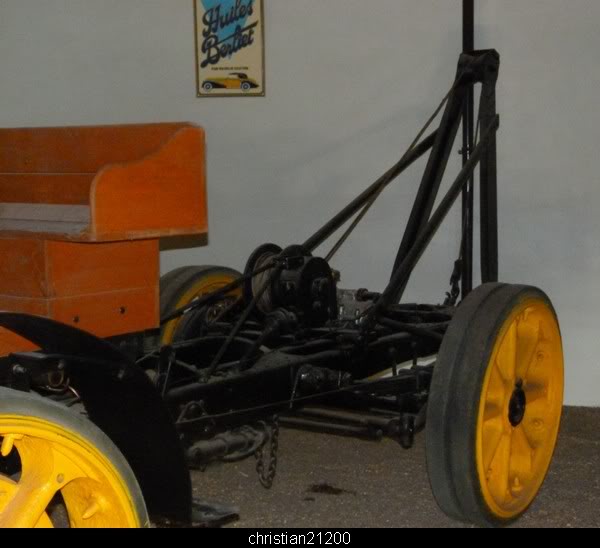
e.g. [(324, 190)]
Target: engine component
[(260, 258), (305, 285), (352, 304)]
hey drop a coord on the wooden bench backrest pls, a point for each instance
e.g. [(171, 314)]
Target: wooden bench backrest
[(137, 181)]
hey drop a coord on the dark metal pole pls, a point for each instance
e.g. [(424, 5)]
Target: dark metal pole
[(467, 147), (488, 183)]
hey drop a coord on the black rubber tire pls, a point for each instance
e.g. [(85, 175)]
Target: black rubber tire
[(454, 400), (176, 283), (15, 403)]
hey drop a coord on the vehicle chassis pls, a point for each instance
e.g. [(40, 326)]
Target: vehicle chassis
[(315, 360)]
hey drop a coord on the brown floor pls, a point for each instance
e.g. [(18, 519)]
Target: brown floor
[(381, 485)]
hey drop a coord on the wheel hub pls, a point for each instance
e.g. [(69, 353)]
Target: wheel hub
[(517, 405)]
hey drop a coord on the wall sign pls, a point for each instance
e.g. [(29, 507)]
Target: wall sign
[(230, 55)]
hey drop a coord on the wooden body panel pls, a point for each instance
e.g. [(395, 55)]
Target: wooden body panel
[(82, 269), (81, 213), (22, 268), (64, 188), (135, 181), (85, 149), (107, 289), (165, 194), (9, 342)]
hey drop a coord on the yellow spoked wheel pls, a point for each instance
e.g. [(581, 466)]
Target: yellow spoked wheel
[(495, 404), (524, 377), (184, 285), (58, 470)]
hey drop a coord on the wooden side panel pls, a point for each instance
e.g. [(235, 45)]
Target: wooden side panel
[(104, 314), (67, 189), (161, 195), (9, 343), (25, 305), (78, 149), (33, 268), (107, 289), (22, 269), (110, 314), (83, 269)]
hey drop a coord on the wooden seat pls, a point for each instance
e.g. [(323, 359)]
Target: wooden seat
[(81, 213), (104, 183)]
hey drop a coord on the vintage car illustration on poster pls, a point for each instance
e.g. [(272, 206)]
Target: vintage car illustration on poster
[(235, 80)]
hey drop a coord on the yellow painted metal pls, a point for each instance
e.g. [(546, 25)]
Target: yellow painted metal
[(204, 286), (512, 461), (55, 460)]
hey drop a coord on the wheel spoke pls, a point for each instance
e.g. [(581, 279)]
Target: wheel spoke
[(43, 473), (493, 430), (36, 487), (7, 490), (493, 411), (538, 410), (521, 461), (528, 334), (536, 391), (540, 371), (497, 389), (537, 421), (507, 353), (498, 473)]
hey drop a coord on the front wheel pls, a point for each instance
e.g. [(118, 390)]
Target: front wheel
[(495, 404), (57, 469)]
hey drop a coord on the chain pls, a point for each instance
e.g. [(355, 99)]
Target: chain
[(266, 474)]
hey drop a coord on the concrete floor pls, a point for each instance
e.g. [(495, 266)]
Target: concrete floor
[(381, 485)]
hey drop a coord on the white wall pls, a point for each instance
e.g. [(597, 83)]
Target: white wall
[(349, 84)]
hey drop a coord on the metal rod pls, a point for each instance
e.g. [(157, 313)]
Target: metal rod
[(488, 183), (434, 172), (467, 147), (331, 428), (353, 207), (263, 372), (242, 320), (358, 418), (409, 328), (402, 274)]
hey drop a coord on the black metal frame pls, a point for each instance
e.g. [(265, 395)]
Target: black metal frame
[(478, 67), (221, 386), (307, 364), (468, 126), (405, 328)]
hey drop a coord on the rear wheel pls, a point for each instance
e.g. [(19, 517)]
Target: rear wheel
[(495, 404), (184, 285), (58, 469)]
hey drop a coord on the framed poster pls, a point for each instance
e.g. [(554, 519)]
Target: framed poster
[(230, 48)]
